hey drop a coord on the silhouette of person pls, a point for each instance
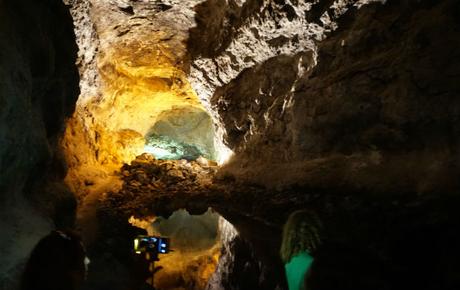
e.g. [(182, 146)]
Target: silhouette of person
[(58, 262)]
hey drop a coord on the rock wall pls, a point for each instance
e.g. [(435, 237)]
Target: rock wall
[(332, 96), (337, 95), (190, 126), (133, 64), (38, 91), (313, 97), (351, 112), (248, 258)]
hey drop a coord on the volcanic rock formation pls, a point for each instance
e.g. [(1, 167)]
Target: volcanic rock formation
[(347, 108), (342, 111)]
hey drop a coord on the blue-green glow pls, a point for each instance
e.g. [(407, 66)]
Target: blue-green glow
[(296, 269), (160, 153), (166, 148)]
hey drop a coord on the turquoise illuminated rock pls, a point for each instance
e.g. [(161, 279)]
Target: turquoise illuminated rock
[(163, 147)]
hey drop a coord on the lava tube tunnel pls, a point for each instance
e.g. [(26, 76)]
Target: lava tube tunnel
[(229, 145)]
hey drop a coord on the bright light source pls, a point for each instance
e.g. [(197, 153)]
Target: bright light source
[(172, 148), (224, 154), (159, 153)]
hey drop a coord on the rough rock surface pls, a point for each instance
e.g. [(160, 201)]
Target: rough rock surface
[(38, 90), (243, 35), (349, 108), (147, 181), (386, 238), (367, 102), (133, 61), (188, 126), (352, 113), (357, 119), (159, 188)]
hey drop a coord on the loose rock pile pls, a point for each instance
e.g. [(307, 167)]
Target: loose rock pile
[(148, 182)]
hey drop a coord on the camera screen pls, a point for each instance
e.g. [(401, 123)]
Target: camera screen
[(151, 244)]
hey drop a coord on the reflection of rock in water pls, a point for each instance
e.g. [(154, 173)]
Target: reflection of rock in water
[(187, 270), (189, 232), (196, 248)]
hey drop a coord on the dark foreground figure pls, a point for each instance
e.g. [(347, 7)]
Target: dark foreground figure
[(56, 263)]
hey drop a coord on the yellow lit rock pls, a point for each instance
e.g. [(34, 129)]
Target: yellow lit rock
[(141, 76)]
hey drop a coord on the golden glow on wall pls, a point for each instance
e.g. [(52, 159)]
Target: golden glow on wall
[(141, 82), (142, 75)]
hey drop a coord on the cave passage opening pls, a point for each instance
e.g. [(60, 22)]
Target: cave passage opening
[(181, 133), (138, 102), (196, 243)]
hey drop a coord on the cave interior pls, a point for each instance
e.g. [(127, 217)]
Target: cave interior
[(213, 123)]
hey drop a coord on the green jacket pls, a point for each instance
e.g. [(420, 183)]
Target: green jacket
[(296, 269)]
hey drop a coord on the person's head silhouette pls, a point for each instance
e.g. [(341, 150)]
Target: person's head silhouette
[(58, 262)]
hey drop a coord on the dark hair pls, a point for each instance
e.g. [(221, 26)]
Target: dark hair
[(56, 263)]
